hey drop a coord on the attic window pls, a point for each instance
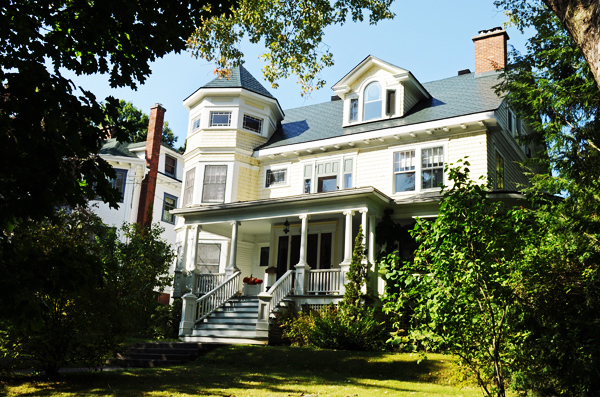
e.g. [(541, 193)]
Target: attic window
[(372, 102)]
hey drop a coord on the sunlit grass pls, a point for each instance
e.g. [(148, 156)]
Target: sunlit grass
[(264, 371)]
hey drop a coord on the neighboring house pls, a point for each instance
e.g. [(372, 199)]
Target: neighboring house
[(135, 162), (264, 188)]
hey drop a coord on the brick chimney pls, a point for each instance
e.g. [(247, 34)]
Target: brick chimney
[(153, 139), (490, 50)]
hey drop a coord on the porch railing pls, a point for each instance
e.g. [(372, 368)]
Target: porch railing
[(207, 304), (280, 290), (207, 282), (324, 281)]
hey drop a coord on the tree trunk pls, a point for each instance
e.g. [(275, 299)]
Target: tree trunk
[(582, 20)]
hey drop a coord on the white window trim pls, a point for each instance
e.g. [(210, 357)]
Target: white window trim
[(231, 118), (417, 148), (313, 164), (262, 124), (277, 167)]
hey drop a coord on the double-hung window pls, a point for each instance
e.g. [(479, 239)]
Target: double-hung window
[(220, 119), (119, 183), (170, 165), (499, 172), (404, 171), (188, 190), (169, 203), (215, 179), (432, 167), (276, 177), (411, 175), (353, 116)]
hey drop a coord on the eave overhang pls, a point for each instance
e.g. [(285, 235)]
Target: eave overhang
[(315, 203)]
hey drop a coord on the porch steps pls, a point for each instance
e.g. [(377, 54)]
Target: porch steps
[(160, 354), (234, 323)]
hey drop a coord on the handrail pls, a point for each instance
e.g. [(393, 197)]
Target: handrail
[(207, 304), (324, 280), (280, 289), (206, 282)]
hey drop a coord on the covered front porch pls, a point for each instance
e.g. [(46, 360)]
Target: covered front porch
[(300, 247)]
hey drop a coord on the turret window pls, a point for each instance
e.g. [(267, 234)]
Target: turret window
[(252, 123), (220, 119)]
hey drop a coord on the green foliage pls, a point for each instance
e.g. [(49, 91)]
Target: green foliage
[(76, 288), (165, 320), (49, 135), (135, 122), (352, 326), (357, 276), (139, 261), (459, 283), (291, 31), (333, 328)]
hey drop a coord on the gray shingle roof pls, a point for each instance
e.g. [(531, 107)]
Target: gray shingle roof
[(451, 97), (240, 78), (113, 147)]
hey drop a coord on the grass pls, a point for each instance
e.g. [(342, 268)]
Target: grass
[(263, 371)]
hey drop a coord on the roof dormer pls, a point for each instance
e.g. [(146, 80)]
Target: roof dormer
[(377, 90)]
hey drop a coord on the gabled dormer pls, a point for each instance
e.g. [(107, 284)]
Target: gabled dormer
[(377, 90)]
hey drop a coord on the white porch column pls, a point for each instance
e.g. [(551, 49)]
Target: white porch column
[(365, 232), (345, 265), (191, 262), (371, 257), (188, 313), (302, 268), (232, 268)]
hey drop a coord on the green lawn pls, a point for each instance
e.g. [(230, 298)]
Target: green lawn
[(264, 371)]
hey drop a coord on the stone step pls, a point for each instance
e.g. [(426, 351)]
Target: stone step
[(158, 354), (242, 326), (224, 333), (249, 315), (230, 320)]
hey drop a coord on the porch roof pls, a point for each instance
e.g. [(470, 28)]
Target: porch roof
[(314, 203)]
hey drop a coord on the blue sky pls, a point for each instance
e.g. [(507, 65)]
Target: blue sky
[(431, 38)]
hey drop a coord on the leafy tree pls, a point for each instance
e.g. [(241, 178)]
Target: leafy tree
[(77, 288), (136, 123), (292, 32), (49, 136), (460, 280), (553, 89)]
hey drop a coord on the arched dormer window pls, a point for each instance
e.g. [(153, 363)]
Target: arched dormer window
[(373, 102)]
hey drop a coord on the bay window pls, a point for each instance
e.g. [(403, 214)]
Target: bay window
[(215, 179)]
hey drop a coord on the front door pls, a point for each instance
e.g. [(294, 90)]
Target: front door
[(318, 251)]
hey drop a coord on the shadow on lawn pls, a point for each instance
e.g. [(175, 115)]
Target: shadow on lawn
[(276, 369)]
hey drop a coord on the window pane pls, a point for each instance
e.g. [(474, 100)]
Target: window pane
[(391, 102), (405, 182), (347, 181), (253, 123), (196, 124), (170, 165), (119, 183), (275, 177), (215, 177), (433, 178), (499, 172), (353, 109), (372, 110), (372, 102), (264, 256), (189, 186), (327, 184), (307, 183), (220, 119), (169, 204)]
